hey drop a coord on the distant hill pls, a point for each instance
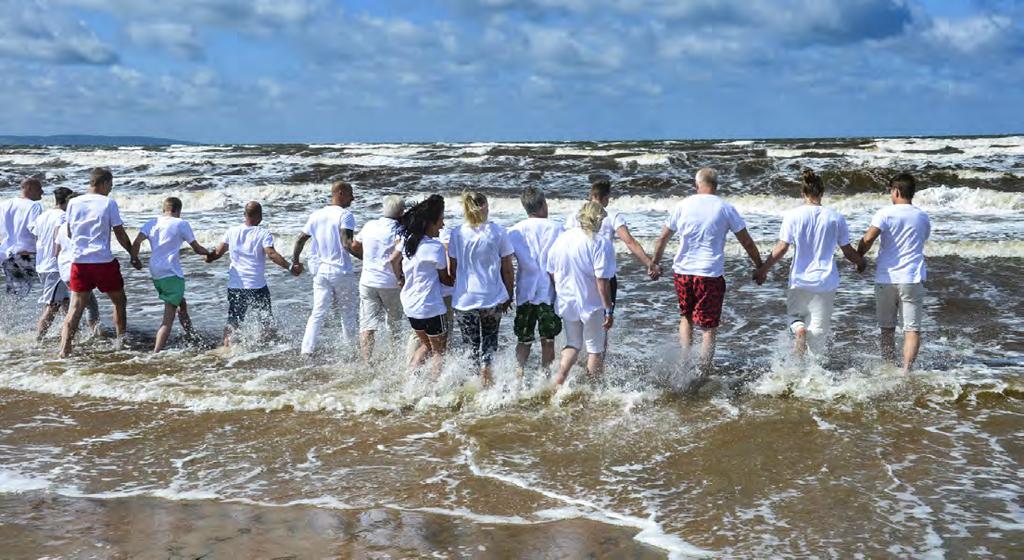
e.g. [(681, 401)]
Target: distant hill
[(87, 140)]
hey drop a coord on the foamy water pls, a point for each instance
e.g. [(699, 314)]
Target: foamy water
[(770, 458)]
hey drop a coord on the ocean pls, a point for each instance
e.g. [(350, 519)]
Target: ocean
[(252, 453)]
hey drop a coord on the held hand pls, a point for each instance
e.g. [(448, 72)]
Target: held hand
[(506, 306), (654, 271), (608, 322), (210, 258), (296, 268), (760, 275), (137, 263), (862, 265)]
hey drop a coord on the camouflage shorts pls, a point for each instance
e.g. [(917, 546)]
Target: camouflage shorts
[(540, 318), (20, 274)]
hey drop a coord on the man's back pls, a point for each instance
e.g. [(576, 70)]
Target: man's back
[(247, 245), (324, 228), (531, 240), (378, 238), (166, 235), (90, 218), (816, 232), (576, 260), (16, 217), (904, 230), (702, 222), (45, 229)]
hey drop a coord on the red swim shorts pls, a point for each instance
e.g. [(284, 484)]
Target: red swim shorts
[(85, 277), (700, 298)]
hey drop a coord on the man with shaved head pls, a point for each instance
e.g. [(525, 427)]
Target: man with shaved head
[(331, 231), (702, 220), (249, 245), (17, 243)]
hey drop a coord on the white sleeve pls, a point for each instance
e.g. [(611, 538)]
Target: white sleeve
[(114, 213)]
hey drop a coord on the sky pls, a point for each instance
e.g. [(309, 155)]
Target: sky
[(248, 71)]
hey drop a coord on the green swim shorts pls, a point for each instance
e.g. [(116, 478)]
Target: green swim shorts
[(539, 317), (171, 289)]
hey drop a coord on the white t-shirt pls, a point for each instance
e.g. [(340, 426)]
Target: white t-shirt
[(905, 228), (444, 236), (421, 296), (531, 240), (65, 255), (45, 229), (378, 238), (324, 229), (166, 234), (816, 232), (478, 252), (577, 260), (16, 218), (611, 224), (702, 221), (90, 218), (246, 245)]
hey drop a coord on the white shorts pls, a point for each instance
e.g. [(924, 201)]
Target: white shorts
[(900, 300), (811, 311), (379, 307), (54, 289), (590, 334)]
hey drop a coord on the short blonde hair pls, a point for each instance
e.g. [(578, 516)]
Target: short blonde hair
[(591, 216), (474, 207)]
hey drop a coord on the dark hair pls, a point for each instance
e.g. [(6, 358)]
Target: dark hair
[(100, 176), (31, 183), (172, 203), (61, 195), (601, 188), (417, 219), (253, 210), (532, 199), (813, 187), (905, 183)]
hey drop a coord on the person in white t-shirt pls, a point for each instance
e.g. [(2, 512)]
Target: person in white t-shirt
[(900, 272), (420, 265), (17, 243), (166, 234), (89, 219), (813, 277), (615, 226), (334, 286), (380, 303), (480, 256), (250, 245), (55, 296), (63, 254), (581, 264), (531, 240), (702, 220)]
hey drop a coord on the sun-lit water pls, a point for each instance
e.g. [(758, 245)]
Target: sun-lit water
[(770, 458)]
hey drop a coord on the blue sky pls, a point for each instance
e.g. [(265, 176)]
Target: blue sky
[(464, 70)]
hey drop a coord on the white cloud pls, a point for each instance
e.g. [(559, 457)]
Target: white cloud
[(30, 30), (179, 39), (973, 34)]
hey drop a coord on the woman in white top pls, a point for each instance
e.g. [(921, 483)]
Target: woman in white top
[(582, 265), (379, 302), (421, 266), (814, 277), (480, 255)]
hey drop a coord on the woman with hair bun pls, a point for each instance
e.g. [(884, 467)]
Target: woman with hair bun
[(582, 265), (480, 255), (421, 266), (813, 277)]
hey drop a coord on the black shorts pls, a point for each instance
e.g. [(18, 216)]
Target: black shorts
[(434, 326), (613, 284), (242, 301)]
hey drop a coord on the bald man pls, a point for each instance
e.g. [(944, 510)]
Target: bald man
[(331, 231), (17, 243), (250, 245), (703, 220)]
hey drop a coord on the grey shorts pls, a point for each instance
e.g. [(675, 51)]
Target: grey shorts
[(379, 307), (54, 289), (900, 300)]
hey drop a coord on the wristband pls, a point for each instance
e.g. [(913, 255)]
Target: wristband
[(609, 312)]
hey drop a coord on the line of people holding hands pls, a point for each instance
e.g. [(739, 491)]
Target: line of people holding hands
[(416, 269)]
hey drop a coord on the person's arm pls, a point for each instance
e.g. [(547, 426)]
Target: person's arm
[(508, 277), (137, 245), (868, 240), (198, 249), (659, 248), (126, 243), (604, 288), (273, 255), (748, 244), (761, 274), (348, 243), (453, 267), (300, 244), (396, 266), (855, 257), (357, 249), (217, 253), (634, 247)]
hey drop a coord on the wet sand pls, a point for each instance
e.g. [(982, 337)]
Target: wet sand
[(38, 525)]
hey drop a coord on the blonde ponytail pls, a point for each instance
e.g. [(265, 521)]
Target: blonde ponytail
[(590, 217), (474, 206)]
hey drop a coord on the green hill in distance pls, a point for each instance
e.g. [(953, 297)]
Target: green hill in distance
[(87, 140)]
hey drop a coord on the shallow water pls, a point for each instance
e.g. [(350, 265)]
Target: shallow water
[(770, 458)]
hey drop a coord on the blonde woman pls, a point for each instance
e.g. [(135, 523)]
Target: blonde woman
[(480, 257), (582, 265)]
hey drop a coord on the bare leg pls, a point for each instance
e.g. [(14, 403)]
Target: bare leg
[(45, 320), (911, 345), (485, 375), (120, 302), (685, 337), (801, 342), (707, 350), (437, 347), (186, 321), (887, 342), (366, 344), (422, 350), (522, 355), (67, 335), (229, 334), (595, 366), (547, 352), (164, 332), (568, 360)]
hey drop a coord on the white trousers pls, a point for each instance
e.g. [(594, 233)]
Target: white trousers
[(332, 290), (813, 311)]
